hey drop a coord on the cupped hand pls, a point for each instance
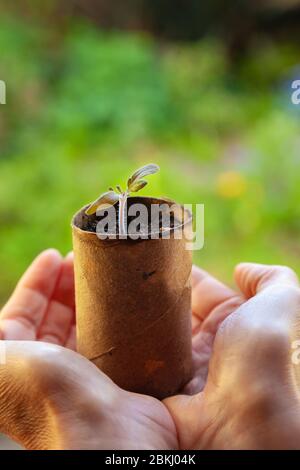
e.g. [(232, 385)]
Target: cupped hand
[(251, 396), (52, 398)]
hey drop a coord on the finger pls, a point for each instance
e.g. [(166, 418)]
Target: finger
[(208, 293), (65, 292), (21, 317), (60, 314), (253, 278), (40, 276), (71, 339)]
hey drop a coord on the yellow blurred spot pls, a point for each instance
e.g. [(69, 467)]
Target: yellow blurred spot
[(231, 185)]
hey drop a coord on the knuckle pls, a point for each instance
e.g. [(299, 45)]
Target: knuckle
[(268, 337), (275, 338), (293, 293), (252, 329), (286, 271), (284, 293)]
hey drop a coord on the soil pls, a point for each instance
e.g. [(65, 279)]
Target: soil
[(143, 229)]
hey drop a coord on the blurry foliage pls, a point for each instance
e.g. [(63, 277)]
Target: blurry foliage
[(85, 107), (110, 83)]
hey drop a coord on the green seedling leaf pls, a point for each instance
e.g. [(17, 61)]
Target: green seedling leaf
[(146, 170), (134, 184), (138, 185), (104, 201)]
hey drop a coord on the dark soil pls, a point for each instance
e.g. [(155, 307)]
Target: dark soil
[(143, 229)]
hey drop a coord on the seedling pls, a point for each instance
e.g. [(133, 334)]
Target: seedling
[(134, 184)]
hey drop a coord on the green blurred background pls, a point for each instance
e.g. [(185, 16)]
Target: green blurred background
[(97, 88)]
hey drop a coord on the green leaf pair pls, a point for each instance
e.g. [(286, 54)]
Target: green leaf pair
[(134, 184)]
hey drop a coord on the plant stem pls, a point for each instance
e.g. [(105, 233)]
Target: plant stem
[(122, 213)]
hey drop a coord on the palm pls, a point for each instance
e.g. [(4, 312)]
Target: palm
[(42, 308), (212, 302)]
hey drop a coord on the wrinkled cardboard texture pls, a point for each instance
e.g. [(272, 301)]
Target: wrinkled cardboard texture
[(133, 308)]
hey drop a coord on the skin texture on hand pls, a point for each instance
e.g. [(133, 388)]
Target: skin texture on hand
[(251, 397), (243, 394), (50, 396)]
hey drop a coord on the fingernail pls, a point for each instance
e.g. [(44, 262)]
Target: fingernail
[(51, 252)]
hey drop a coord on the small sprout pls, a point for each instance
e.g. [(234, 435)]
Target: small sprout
[(134, 184)]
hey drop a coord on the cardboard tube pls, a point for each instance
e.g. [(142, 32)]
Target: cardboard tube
[(133, 307)]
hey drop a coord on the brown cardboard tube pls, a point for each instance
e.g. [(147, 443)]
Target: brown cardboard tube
[(133, 307)]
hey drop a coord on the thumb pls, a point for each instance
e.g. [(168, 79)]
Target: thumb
[(252, 278)]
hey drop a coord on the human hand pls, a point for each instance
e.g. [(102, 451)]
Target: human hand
[(251, 397), (81, 408), (53, 398), (51, 385)]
